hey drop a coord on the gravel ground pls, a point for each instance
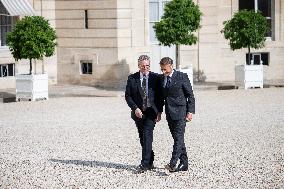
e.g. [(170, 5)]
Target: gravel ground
[(236, 140)]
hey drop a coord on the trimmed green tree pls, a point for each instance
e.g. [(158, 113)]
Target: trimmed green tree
[(177, 26), (247, 29), (32, 38)]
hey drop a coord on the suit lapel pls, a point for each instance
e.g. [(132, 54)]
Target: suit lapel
[(138, 83), (173, 79), (150, 80), (162, 81)]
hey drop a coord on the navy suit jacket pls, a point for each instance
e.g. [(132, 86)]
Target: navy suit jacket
[(178, 98), (133, 92)]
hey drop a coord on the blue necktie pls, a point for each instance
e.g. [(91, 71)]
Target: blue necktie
[(168, 82)]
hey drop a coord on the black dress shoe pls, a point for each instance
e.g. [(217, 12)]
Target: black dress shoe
[(182, 167), (170, 168), (141, 168)]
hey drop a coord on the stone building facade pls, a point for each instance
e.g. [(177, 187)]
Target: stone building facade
[(99, 40)]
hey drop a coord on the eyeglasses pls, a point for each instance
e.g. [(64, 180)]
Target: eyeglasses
[(144, 66)]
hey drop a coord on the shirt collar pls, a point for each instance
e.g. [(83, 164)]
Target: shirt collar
[(171, 75), (141, 75)]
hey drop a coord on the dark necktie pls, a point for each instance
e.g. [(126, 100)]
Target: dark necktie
[(144, 93), (168, 82)]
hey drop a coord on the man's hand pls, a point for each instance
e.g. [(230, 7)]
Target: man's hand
[(188, 116), (158, 117), (138, 113)]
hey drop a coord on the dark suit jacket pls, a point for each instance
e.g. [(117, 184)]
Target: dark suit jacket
[(133, 92), (179, 98)]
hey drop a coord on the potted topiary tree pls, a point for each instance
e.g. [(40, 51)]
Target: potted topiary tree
[(247, 29), (177, 26), (32, 38)]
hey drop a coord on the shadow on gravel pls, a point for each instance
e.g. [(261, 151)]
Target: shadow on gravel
[(96, 164), (131, 168)]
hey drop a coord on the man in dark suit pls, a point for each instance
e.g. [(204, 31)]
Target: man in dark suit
[(179, 107), (142, 96)]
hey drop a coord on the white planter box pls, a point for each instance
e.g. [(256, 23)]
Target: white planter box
[(189, 72), (31, 87), (249, 76)]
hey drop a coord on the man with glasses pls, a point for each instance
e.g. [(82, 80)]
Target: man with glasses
[(142, 96)]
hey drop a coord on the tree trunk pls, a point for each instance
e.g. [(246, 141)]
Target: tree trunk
[(249, 62), (35, 65), (177, 58), (31, 66), (42, 65)]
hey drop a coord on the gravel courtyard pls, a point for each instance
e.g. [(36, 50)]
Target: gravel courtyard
[(236, 140)]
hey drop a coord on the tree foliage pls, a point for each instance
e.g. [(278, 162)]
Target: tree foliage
[(32, 38), (245, 30), (181, 18)]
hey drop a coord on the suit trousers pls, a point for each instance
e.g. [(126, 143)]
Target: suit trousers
[(177, 129), (145, 127)]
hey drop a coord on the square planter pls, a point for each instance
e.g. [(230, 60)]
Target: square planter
[(31, 87), (249, 76)]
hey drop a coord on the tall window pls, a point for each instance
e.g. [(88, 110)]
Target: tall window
[(86, 19), (266, 7), (6, 23), (155, 13)]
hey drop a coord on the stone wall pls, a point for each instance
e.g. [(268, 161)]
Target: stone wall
[(213, 55), (98, 43)]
